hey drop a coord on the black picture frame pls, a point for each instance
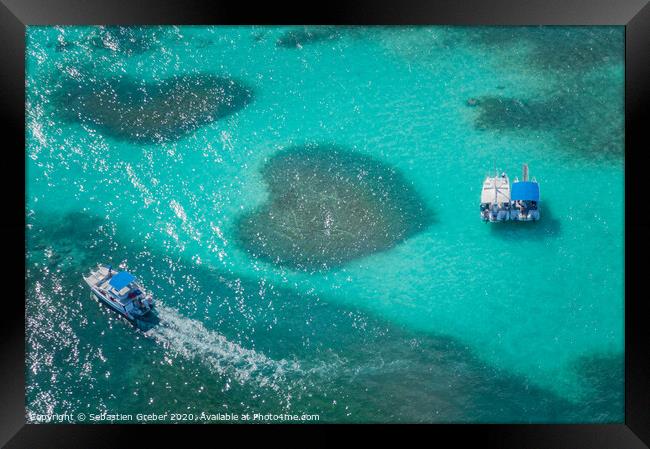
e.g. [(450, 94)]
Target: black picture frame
[(15, 15)]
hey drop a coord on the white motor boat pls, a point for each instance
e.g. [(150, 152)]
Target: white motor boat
[(120, 291)]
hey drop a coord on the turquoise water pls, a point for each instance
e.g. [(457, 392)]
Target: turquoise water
[(303, 202)]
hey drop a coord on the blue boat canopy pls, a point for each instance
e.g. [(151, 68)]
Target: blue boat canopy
[(524, 191), (121, 280)]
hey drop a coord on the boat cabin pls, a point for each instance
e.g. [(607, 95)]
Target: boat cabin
[(525, 199), (119, 286)]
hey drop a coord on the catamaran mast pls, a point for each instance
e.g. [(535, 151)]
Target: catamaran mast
[(496, 191)]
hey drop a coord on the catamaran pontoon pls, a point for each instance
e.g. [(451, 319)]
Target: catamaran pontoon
[(502, 201), (120, 291)]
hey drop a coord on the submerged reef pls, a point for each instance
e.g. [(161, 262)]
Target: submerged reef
[(56, 241), (506, 113), (308, 35), (576, 77), (582, 102), (579, 121), (327, 206), (150, 112), (603, 375), (555, 48), (559, 50)]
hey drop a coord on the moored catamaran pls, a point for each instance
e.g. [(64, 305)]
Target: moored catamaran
[(504, 201)]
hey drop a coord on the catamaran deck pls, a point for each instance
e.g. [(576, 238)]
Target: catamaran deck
[(502, 192), (98, 277)]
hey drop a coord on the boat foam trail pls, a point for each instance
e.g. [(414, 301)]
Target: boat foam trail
[(190, 339)]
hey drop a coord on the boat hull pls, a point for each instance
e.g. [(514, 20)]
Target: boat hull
[(531, 216), (501, 215), (513, 216), (111, 305), (118, 308)]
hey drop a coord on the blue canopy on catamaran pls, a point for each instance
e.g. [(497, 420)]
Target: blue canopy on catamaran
[(524, 191), (121, 280)]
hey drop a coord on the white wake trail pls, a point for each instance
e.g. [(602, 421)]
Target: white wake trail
[(190, 339)]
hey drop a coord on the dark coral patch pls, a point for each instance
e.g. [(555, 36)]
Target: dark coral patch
[(564, 49), (508, 113), (143, 112), (328, 206), (581, 122), (603, 374), (301, 37)]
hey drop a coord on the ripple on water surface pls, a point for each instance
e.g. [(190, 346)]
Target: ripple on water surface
[(127, 39)]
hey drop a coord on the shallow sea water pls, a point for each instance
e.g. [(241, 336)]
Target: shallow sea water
[(193, 157)]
